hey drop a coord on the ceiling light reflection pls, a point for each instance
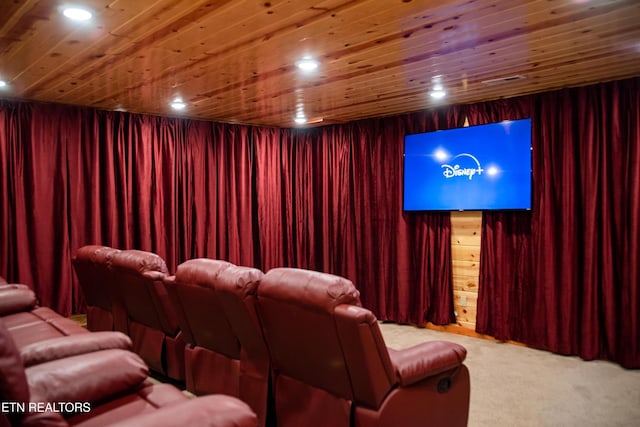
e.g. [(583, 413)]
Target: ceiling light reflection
[(307, 64), (438, 94), (77, 13), (178, 104)]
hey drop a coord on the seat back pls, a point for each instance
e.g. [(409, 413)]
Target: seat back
[(139, 275), (367, 358), (215, 302), (236, 289), (200, 315), (318, 334), (92, 265), (151, 320), (212, 360)]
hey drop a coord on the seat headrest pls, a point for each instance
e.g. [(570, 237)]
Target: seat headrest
[(312, 289), (240, 280), (200, 271), (15, 298), (139, 261)]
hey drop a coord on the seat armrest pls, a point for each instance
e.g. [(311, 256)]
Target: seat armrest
[(72, 345), (154, 275), (88, 377), (426, 359), (16, 298), (207, 411), (6, 286)]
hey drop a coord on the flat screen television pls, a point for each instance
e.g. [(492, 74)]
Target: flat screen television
[(485, 167)]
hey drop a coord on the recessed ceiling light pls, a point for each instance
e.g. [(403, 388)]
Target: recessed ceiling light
[(77, 13), (178, 104), (300, 120), (438, 91), (3, 83), (438, 94), (307, 64)]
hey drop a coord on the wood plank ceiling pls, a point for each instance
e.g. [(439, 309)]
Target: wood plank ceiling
[(234, 60)]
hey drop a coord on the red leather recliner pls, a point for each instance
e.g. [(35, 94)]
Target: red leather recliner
[(100, 388), (215, 303), (41, 334), (105, 311), (331, 366), (236, 288), (151, 321), (27, 322), (212, 356)]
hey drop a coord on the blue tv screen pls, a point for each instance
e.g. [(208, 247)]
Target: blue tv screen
[(486, 167)]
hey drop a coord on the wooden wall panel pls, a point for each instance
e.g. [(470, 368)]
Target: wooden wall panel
[(465, 253)]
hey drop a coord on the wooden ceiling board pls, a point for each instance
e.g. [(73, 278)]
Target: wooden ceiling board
[(234, 60)]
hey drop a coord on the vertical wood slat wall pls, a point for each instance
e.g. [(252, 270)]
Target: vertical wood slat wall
[(465, 253)]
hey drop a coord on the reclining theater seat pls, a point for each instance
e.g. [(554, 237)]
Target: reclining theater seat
[(226, 354), (331, 366), (105, 386), (40, 333), (27, 322), (151, 320), (92, 265), (236, 288), (212, 353)]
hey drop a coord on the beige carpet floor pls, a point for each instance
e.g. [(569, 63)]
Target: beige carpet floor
[(519, 386)]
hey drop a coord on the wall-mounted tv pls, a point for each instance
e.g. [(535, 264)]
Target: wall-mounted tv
[(485, 167)]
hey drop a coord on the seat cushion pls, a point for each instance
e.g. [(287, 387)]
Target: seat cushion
[(145, 400), (39, 324)]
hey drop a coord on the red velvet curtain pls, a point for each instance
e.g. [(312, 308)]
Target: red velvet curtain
[(34, 232), (176, 187), (327, 199), (565, 276)]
